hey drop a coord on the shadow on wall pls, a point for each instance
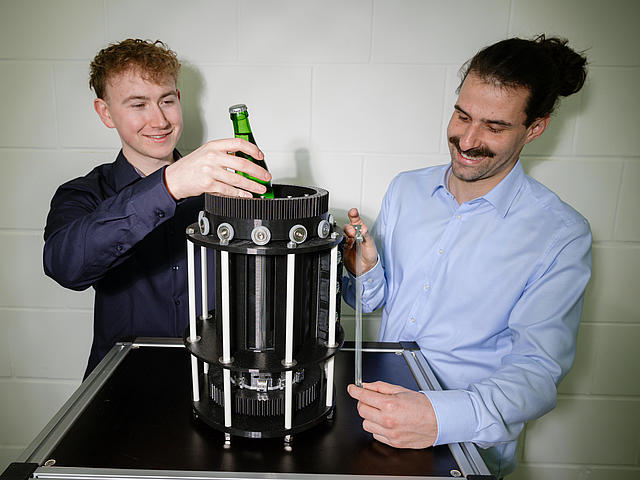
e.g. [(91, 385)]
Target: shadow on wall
[(192, 86), (561, 125)]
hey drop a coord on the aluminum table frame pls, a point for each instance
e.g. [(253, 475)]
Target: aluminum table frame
[(36, 455)]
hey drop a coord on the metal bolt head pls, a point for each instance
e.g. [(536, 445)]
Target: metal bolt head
[(225, 233), (190, 231), (298, 233), (261, 235), (324, 229)]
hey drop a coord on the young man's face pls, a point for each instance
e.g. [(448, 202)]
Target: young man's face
[(487, 131), (146, 115)]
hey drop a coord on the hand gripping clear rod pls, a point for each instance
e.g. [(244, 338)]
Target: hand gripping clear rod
[(358, 364)]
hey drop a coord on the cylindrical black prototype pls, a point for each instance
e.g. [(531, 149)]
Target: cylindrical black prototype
[(277, 276)]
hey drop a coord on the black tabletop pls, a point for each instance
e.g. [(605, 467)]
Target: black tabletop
[(142, 419)]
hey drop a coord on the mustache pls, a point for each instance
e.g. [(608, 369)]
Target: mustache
[(472, 152)]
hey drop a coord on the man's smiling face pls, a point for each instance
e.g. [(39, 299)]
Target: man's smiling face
[(147, 116), (487, 131)]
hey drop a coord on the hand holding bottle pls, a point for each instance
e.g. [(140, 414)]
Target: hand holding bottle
[(205, 170), (241, 129), (369, 251)]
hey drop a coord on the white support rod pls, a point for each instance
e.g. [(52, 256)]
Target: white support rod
[(194, 379), (226, 322), (226, 335), (288, 351), (205, 290), (288, 399), (329, 373), (191, 276), (191, 279), (333, 281), (227, 397)]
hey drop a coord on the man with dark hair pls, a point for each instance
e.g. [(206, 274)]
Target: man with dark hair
[(486, 270), (121, 227)]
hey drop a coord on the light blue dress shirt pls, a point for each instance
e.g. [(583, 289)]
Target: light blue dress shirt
[(492, 292)]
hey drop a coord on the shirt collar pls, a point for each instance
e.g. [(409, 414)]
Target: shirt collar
[(442, 184), (124, 174), (500, 197), (503, 194)]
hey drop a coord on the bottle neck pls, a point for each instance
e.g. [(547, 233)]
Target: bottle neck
[(241, 123)]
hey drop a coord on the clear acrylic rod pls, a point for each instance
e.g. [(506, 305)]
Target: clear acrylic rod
[(358, 359)]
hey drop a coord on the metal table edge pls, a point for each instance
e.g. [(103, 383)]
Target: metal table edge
[(75, 473), (465, 454), (44, 443)]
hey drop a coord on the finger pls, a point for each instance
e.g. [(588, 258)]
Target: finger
[(239, 145), (370, 397), (382, 438), (235, 179), (375, 428), (240, 164), (371, 414), (384, 387), (349, 230), (229, 191)]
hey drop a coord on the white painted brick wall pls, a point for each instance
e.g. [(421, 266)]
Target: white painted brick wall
[(344, 95)]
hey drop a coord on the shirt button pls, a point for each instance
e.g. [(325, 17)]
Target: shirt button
[(119, 247), (175, 267), (427, 286), (412, 319), (177, 302), (459, 217), (160, 213), (441, 251)]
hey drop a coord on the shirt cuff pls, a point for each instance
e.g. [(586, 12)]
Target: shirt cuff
[(455, 415), (373, 273)]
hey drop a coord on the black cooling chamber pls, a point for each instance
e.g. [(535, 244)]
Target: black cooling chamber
[(262, 359)]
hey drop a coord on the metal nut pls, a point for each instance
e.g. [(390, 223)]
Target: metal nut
[(225, 233), (203, 223), (261, 235), (298, 234), (324, 229)]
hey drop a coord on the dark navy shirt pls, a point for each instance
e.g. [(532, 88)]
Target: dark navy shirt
[(123, 235)]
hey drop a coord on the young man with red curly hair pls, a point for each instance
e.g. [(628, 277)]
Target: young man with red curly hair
[(120, 228)]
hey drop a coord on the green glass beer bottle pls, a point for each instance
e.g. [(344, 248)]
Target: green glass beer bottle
[(242, 129)]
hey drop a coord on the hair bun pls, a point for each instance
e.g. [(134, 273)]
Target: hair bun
[(571, 65)]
